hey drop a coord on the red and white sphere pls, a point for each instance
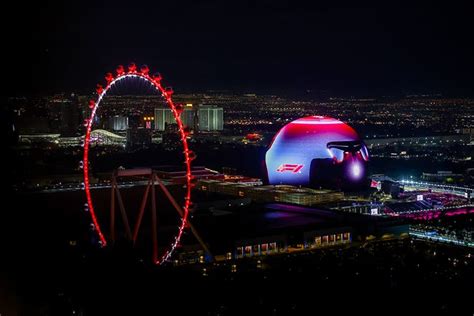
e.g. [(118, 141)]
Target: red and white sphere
[(316, 150)]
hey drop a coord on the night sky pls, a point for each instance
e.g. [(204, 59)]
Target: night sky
[(272, 46)]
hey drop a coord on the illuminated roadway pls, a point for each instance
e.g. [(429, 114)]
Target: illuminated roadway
[(441, 188), (80, 187), (429, 235)]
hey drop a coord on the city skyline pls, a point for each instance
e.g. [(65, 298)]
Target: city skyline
[(237, 157)]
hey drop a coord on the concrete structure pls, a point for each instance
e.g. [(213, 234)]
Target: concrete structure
[(271, 193), (211, 118), (163, 116), (118, 123)]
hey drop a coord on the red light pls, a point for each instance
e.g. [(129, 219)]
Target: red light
[(169, 92), (188, 154), (253, 136), (157, 77), (99, 89), (187, 130), (179, 108), (132, 67), (145, 70), (109, 77), (120, 70), (290, 167)]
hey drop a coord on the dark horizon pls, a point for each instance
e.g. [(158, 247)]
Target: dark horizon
[(265, 47)]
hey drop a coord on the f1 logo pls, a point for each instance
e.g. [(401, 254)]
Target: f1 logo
[(290, 167)]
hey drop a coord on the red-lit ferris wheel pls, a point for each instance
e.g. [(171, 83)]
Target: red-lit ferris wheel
[(155, 82)]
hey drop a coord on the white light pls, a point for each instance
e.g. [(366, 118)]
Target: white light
[(330, 153), (356, 170)]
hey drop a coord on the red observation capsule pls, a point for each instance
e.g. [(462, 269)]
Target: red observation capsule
[(91, 104), (132, 67), (99, 89), (191, 155), (120, 70), (157, 77), (186, 131), (145, 70), (169, 91), (179, 108), (109, 77)]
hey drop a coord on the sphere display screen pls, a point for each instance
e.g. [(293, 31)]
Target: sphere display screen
[(317, 151)]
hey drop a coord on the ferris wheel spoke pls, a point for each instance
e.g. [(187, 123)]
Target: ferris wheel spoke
[(141, 212), (154, 221), (181, 213)]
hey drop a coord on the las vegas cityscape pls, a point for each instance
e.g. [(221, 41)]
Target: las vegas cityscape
[(238, 158)]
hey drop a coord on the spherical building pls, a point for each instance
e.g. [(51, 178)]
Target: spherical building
[(317, 151)]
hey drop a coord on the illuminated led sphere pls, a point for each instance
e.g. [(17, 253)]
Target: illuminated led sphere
[(314, 151)]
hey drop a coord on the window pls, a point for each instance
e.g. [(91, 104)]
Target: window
[(332, 238), (317, 240), (248, 251), (256, 250), (240, 252), (273, 247)]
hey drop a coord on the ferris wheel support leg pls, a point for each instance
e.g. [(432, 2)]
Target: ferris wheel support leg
[(180, 212), (112, 212), (124, 214), (142, 211), (153, 221)]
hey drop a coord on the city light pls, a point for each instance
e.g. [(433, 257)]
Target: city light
[(300, 158)]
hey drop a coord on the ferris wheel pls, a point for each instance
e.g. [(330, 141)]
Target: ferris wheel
[(132, 73)]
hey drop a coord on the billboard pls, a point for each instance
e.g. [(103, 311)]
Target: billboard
[(314, 150)]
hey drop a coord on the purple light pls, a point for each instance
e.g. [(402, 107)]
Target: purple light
[(355, 170)]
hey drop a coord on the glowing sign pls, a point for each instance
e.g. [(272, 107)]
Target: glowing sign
[(419, 197), (376, 184), (290, 167), (321, 145)]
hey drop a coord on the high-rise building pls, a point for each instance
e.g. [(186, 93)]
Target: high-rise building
[(163, 116), (188, 116), (118, 123), (205, 118), (211, 118)]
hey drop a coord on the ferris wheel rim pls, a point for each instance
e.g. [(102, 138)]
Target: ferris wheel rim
[(166, 93)]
